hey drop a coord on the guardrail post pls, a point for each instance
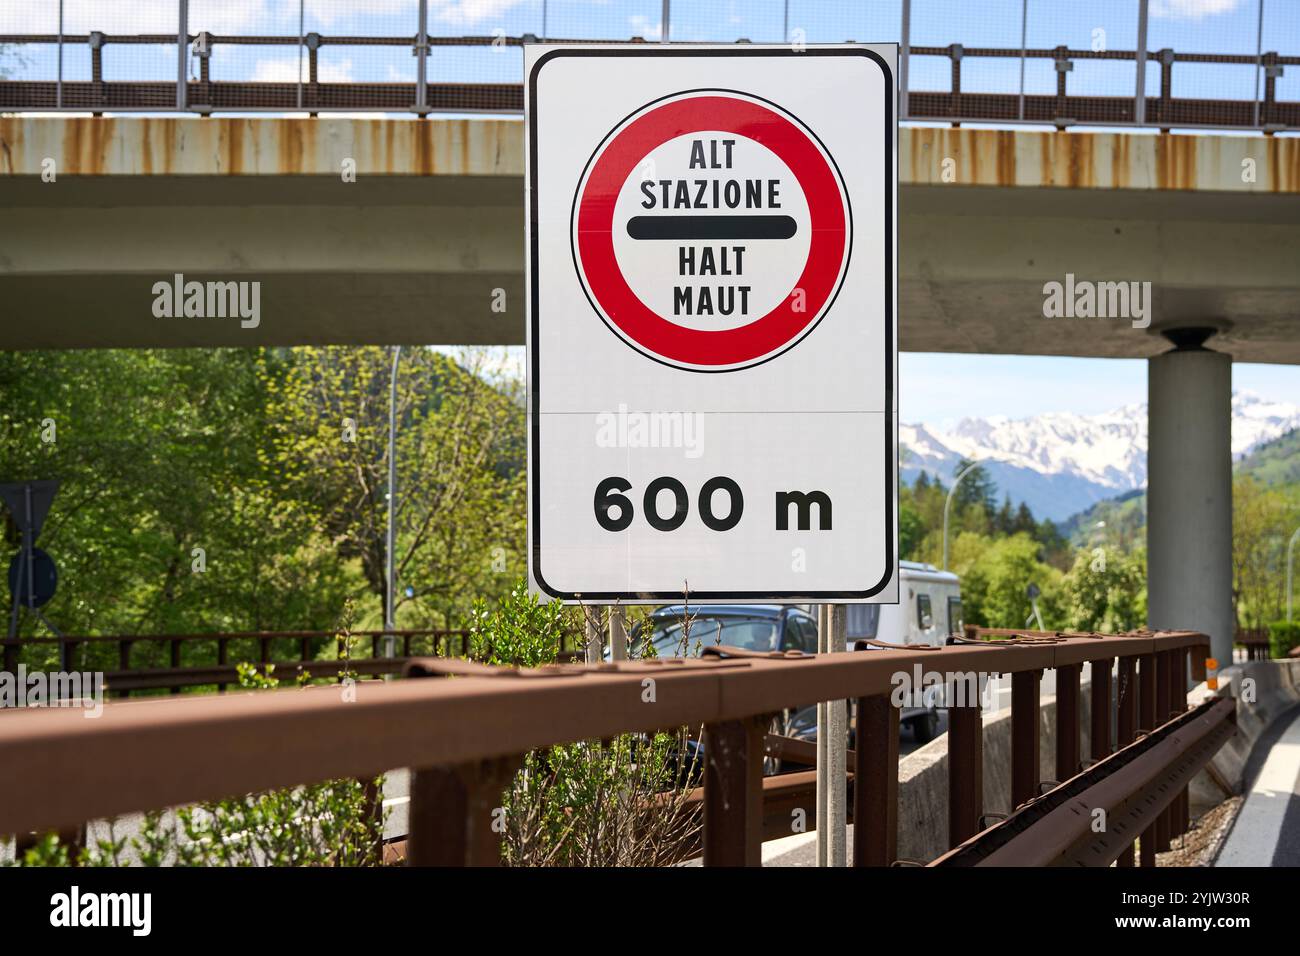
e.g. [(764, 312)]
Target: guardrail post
[(182, 53), (176, 661), (421, 108), (733, 792), (1177, 815), (203, 50), (11, 658), (456, 816), (1126, 725), (1025, 768), (1147, 722), (1166, 87), (1063, 66), (1271, 72), (1164, 684), (124, 661), (1067, 721), (875, 782), (965, 766), (955, 54), (222, 660), (313, 47), (1140, 89), (1101, 704)]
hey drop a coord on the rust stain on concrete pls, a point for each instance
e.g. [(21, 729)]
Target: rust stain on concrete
[(1176, 161), (1119, 163), (122, 146)]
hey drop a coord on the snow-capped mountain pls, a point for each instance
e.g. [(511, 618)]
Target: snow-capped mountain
[(1061, 463)]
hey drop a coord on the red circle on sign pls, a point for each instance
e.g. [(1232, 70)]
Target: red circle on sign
[(642, 327)]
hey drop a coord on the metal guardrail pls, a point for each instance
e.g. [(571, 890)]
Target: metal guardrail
[(1136, 786), (957, 106), (205, 95), (465, 736), (1256, 642), (224, 670)]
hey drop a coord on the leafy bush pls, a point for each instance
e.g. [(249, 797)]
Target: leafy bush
[(1283, 636), (520, 630), (1105, 591), (620, 802)]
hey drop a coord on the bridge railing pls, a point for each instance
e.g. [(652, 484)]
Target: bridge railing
[(223, 651), (465, 736), (180, 60), (219, 655)]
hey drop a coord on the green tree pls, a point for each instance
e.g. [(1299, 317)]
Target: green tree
[(1262, 519), (460, 479), (909, 530), (977, 489), (1105, 590), (996, 575)]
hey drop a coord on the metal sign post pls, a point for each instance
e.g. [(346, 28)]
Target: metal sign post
[(32, 574)]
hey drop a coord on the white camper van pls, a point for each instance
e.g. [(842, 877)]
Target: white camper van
[(928, 612), (928, 609)]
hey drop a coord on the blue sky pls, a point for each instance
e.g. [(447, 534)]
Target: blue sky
[(941, 389)]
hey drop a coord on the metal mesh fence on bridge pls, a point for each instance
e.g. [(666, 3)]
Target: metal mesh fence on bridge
[(1154, 63)]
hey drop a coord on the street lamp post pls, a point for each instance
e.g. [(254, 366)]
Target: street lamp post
[(1290, 563), (947, 502), (390, 640)]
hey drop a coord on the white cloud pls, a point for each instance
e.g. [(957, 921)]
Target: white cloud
[(326, 13), (285, 70), (641, 26), (467, 13), (1192, 9), (143, 16)]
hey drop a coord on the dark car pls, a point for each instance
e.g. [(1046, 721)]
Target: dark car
[(678, 631)]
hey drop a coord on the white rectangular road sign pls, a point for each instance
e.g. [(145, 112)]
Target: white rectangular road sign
[(711, 322)]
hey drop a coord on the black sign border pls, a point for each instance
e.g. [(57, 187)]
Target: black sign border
[(534, 437)]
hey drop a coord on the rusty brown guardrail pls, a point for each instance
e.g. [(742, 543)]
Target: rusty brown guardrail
[(463, 737), (224, 670), (1134, 787)]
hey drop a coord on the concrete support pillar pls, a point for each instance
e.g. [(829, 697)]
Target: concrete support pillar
[(1189, 490)]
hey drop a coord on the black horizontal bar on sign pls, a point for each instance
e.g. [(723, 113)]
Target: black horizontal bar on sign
[(711, 227)]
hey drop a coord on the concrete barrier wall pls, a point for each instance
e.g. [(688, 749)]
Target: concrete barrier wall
[(1264, 690), (923, 776)]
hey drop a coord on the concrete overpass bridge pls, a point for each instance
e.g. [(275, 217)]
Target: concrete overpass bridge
[(400, 231), (413, 249)]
